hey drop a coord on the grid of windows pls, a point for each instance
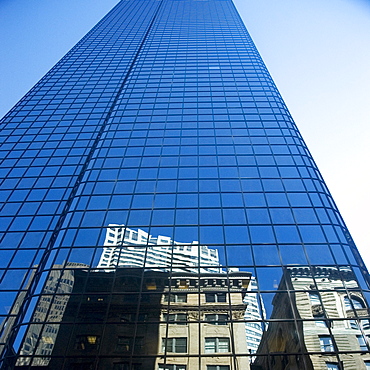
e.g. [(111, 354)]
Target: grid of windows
[(155, 178)]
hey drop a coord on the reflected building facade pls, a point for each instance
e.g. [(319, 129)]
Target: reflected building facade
[(153, 321), (50, 310), (254, 327), (162, 211), (136, 248), (319, 311)]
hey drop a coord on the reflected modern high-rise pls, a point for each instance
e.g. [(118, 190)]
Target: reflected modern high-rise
[(135, 248), (162, 212)]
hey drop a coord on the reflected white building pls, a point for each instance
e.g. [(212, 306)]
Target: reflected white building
[(253, 315), (125, 247)]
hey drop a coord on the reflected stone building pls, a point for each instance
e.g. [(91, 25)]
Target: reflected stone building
[(332, 316), (158, 161), (150, 320), (212, 304)]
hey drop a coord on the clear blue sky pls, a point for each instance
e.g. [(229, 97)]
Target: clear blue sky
[(318, 53)]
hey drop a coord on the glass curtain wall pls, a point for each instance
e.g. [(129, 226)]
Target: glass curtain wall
[(161, 210)]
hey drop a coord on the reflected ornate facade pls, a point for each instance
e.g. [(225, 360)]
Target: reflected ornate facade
[(143, 319), (332, 327), (161, 210)]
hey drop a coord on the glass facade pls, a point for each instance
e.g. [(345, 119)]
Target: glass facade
[(161, 210)]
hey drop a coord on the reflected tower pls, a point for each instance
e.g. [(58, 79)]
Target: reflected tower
[(136, 248), (157, 159)]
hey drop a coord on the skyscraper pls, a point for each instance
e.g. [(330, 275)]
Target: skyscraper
[(160, 130)]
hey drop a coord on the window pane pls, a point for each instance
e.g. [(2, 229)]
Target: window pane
[(326, 343)]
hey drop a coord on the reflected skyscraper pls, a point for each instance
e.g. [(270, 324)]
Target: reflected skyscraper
[(136, 248), (254, 326), (162, 211), (51, 309)]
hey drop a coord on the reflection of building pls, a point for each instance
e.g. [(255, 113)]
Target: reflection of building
[(332, 315), (212, 305), (253, 326), (163, 118), (153, 320), (7, 325), (40, 338), (126, 247), (115, 317)]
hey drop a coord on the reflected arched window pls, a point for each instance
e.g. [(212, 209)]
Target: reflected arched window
[(353, 303)]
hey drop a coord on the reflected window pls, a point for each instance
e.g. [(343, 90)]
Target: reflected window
[(321, 323), (332, 366), (175, 345), (171, 367), (87, 342), (216, 297), (218, 367), (314, 299), (216, 319), (127, 344), (217, 345), (175, 318), (131, 317), (365, 324), (178, 298), (361, 342), (326, 343), (367, 365), (353, 303)]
